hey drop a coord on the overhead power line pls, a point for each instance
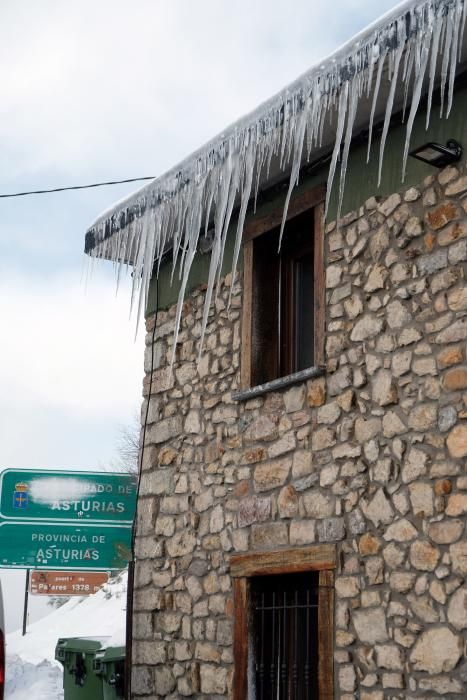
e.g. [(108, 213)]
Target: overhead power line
[(77, 187)]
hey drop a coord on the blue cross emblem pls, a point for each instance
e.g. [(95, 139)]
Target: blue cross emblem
[(20, 499)]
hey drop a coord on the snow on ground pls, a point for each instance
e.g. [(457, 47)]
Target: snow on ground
[(43, 681), (31, 670)]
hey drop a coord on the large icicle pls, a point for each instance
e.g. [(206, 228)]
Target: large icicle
[(417, 91), (352, 111), (381, 61), (389, 105), (433, 61), (457, 22), (294, 127), (343, 99)]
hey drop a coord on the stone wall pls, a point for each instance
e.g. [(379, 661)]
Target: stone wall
[(371, 456)]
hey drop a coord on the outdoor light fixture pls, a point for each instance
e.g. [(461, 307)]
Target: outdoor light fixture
[(437, 155), (206, 242)]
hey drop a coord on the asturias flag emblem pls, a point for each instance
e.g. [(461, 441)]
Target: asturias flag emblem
[(20, 496)]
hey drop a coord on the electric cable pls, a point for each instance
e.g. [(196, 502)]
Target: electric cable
[(77, 187)]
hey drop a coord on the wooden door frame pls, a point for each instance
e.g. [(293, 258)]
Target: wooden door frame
[(321, 558)]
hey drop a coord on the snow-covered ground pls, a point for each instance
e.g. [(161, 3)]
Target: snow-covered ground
[(32, 671)]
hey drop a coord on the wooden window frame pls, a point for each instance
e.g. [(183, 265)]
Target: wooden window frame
[(311, 199), (243, 567)]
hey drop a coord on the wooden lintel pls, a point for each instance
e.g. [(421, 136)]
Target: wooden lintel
[(284, 561), (298, 204)]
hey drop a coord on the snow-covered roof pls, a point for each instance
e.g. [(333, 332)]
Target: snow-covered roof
[(387, 67)]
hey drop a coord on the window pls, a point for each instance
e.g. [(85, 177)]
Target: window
[(283, 643), (283, 319)]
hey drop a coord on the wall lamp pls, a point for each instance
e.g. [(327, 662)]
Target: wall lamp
[(206, 242), (437, 155)]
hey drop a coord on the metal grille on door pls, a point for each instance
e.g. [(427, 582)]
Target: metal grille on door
[(285, 633)]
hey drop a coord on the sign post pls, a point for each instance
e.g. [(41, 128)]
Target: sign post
[(25, 609)]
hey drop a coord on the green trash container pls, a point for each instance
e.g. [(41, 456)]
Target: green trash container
[(76, 654), (110, 664)]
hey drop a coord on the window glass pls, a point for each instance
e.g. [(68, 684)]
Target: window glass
[(303, 313), (283, 301), (285, 633)]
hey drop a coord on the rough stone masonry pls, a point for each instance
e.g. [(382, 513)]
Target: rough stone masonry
[(371, 456)]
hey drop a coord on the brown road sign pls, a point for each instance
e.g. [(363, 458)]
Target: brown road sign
[(67, 582)]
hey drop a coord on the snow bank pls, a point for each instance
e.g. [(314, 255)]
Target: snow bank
[(32, 671), (26, 680)]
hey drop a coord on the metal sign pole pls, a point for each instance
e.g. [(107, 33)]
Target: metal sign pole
[(26, 595), (129, 627)]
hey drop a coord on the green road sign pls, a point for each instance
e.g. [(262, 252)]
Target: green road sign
[(60, 546), (66, 496)]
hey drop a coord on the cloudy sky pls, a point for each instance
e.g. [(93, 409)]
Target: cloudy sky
[(108, 90)]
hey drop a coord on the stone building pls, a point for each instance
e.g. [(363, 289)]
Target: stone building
[(303, 498)]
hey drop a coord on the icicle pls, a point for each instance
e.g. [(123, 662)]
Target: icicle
[(177, 239), (324, 113), (446, 57), (452, 73), (193, 243), (417, 91), (433, 62), (389, 105), (337, 144), (295, 170), (235, 180), (374, 58), (285, 128), (246, 193), (146, 269), (216, 250), (462, 30), (408, 69), (352, 111), (375, 98), (143, 240)]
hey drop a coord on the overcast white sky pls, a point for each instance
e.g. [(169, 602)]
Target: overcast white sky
[(108, 90)]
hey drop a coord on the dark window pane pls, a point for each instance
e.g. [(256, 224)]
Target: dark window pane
[(285, 619), (265, 309), (303, 312)]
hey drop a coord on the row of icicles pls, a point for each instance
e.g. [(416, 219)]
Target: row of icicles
[(174, 210)]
